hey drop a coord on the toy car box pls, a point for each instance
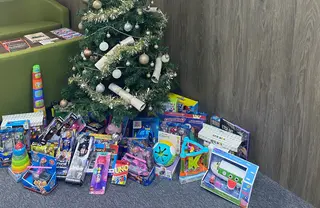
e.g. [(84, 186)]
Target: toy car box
[(146, 128), (39, 180), (167, 172), (230, 177)]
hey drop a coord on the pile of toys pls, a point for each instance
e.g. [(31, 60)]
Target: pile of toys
[(179, 140)]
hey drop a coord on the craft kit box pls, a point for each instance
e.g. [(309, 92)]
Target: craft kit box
[(230, 177)]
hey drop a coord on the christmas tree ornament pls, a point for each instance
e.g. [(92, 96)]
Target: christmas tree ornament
[(116, 137), (148, 75), (135, 102), (152, 2), (157, 71), (80, 26), (128, 63), (156, 46), (73, 68), (116, 73), (84, 72), (175, 74), (63, 103), (165, 58), (128, 90), (97, 4), (111, 106), (150, 108), (152, 64), (137, 26), (144, 59), (128, 27), (108, 35), (139, 11), (103, 46), (100, 88), (148, 32), (87, 52)]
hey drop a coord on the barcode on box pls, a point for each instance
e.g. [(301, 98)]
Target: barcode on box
[(137, 124)]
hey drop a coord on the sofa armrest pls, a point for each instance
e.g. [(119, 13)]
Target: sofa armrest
[(51, 10)]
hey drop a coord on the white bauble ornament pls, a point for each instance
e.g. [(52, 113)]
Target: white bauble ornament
[(63, 103), (97, 4), (108, 35), (137, 26), (152, 64), (128, 90), (100, 88), (139, 11), (103, 46), (165, 58), (116, 74), (148, 32), (127, 27), (144, 59), (148, 75), (128, 63), (175, 74), (80, 26), (150, 108), (152, 2), (73, 68), (156, 46)]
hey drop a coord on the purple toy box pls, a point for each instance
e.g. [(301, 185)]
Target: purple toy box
[(100, 174)]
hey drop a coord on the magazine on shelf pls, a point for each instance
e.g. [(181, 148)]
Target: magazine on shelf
[(36, 37), (66, 33), (15, 45)]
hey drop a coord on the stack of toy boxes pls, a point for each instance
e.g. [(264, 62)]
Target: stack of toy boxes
[(32, 123), (230, 177)]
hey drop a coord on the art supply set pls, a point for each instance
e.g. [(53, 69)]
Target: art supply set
[(173, 145)]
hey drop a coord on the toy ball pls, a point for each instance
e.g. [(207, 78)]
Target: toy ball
[(164, 154)]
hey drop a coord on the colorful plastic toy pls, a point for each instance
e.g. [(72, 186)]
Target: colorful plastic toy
[(41, 177), (230, 177), (164, 153), (37, 86), (20, 159), (100, 174), (194, 161)]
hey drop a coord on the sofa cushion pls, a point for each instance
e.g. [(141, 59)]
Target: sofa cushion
[(19, 30)]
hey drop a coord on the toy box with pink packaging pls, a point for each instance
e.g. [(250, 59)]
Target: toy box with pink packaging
[(230, 177)]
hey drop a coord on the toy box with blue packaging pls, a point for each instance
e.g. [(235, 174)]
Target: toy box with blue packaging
[(230, 177), (41, 177), (167, 172), (146, 128), (185, 105), (194, 121)]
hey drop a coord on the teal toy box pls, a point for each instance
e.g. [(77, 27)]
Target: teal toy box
[(230, 177)]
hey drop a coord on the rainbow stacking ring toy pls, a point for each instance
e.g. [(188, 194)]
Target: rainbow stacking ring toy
[(20, 159)]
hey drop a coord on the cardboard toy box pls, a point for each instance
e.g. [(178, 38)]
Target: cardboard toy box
[(185, 105), (230, 177), (167, 172)]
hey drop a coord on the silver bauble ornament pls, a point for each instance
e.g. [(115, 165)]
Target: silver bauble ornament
[(63, 103), (144, 59), (100, 88), (165, 58), (116, 73), (73, 68), (127, 27), (97, 4), (148, 75), (87, 52), (128, 63), (137, 26), (156, 46), (150, 108), (128, 90), (148, 32), (103, 46), (116, 137), (152, 64), (80, 26), (152, 2), (108, 35), (139, 11)]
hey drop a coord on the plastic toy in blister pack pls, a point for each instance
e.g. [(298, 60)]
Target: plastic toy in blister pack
[(137, 149), (180, 129), (137, 165)]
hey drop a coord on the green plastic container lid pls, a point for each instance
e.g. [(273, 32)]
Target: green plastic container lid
[(36, 68)]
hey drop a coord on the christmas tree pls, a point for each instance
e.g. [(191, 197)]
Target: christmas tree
[(122, 69)]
